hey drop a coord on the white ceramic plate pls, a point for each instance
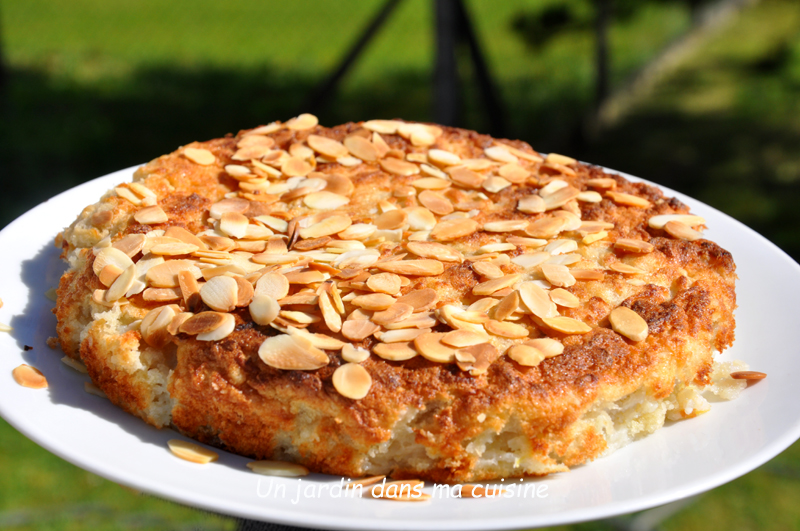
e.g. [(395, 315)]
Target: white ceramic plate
[(680, 460)]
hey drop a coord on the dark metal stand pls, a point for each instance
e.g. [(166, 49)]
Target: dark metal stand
[(453, 27)]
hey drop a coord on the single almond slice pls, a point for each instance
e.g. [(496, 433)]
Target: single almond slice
[(305, 277), (391, 220), (362, 148), (412, 267), (111, 256), (537, 300), (220, 293), (605, 183), (435, 202), (30, 377), (418, 321), (507, 306), (500, 154), (192, 452), (506, 329), (629, 200), (151, 215), (278, 468), (325, 200), (358, 330), (587, 274), (531, 260), (302, 122), (589, 197), (748, 375), (526, 355), (263, 309), (234, 224), (225, 328), (329, 314), (420, 300), (200, 156), (466, 177), (374, 301), (327, 146), (496, 284), (567, 325), (160, 294), (625, 269), (628, 323), (173, 249), (400, 351), (109, 274), (658, 222), (202, 323), (174, 326), (678, 230), (564, 298), (352, 381), (531, 204), (388, 283), (453, 229), (245, 292), (442, 157), (546, 227), (354, 354), (597, 236), (292, 353), (399, 336), (463, 338), (399, 167), (633, 246), (430, 183), (430, 346), (275, 285), (510, 225), (420, 219), (396, 312), (386, 127), (131, 244), (488, 270), (230, 204), (327, 227), (476, 358), (154, 326), (547, 345), (435, 250), (558, 275)]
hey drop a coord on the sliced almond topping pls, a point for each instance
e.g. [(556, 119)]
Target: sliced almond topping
[(396, 312), (506, 329), (466, 177), (513, 172), (495, 184), (529, 261), (558, 275), (658, 222), (564, 298), (430, 346), (390, 220), (595, 237), (109, 274), (386, 127), (412, 267), (546, 227), (154, 326), (352, 381), (509, 225), (151, 215), (603, 183), (418, 320), (325, 200), (361, 147), (327, 146), (548, 346), (200, 156), (495, 284), (625, 269), (305, 277), (555, 158), (531, 204), (748, 375), (633, 246), (589, 197), (222, 331), (327, 227), (354, 354), (220, 293), (537, 300), (399, 167), (296, 167), (302, 122), (420, 218), (278, 468), (526, 355), (292, 353), (678, 230), (232, 204), (358, 329), (173, 249), (442, 157), (189, 451), (567, 325), (374, 301), (201, 323), (174, 326), (329, 314), (476, 358), (275, 285), (165, 275), (507, 306), (500, 154), (131, 244), (234, 224), (628, 323), (111, 256), (161, 294), (245, 292), (400, 336), (560, 197), (587, 274), (385, 283), (452, 229), (126, 193), (463, 338), (435, 202), (30, 377), (420, 300), (435, 250), (629, 200), (488, 270), (399, 351)]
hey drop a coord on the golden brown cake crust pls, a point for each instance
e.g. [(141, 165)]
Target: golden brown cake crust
[(224, 394)]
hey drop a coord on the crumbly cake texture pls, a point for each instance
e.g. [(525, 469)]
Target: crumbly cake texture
[(396, 298)]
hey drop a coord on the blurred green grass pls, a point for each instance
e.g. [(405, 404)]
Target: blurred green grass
[(98, 86)]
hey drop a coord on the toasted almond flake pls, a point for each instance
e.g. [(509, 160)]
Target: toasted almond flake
[(433, 171), (189, 451), (555, 158), (161, 294), (495, 184), (396, 312), (304, 277), (232, 204), (400, 336), (392, 219), (328, 226), (748, 375), (560, 197), (417, 157), (463, 338), (547, 345), (509, 225), (296, 166), (292, 352), (199, 156), (435, 202), (131, 244), (74, 364), (506, 329), (374, 301), (399, 167), (628, 323), (361, 147), (352, 381), (234, 224), (173, 249), (251, 139), (174, 326), (678, 230), (589, 197), (495, 284), (507, 306), (327, 146), (625, 269), (595, 237), (435, 250), (420, 300), (628, 200), (567, 325), (302, 122), (466, 177), (453, 229), (526, 355), (605, 183), (109, 274), (476, 358), (151, 215), (245, 292), (442, 157), (220, 293), (430, 183), (430, 346), (325, 200), (536, 300), (329, 314), (386, 127), (420, 218), (658, 222), (488, 270), (418, 320), (111, 256), (558, 275), (30, 377), (546, 227), (358, 231), (202, 323), (556, 247), (301, 318), (513, 172), (587, 274), (225, 328), (354, 354), (564, 298), (551, 187), (126, 193), (358, 329), (154, 326), (384, 283), (500, 154), (412, 267), (633, 246), (238, 172)]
